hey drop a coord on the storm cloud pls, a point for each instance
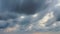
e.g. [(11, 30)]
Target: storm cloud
[(29, 16), (23, 6)]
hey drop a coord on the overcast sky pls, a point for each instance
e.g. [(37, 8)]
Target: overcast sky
[(29, 16)]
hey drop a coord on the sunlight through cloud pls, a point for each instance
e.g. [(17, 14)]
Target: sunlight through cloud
[(35, 15), (11, 29), (43, 21)]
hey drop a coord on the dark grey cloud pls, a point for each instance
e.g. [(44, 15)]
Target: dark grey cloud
[(9, 9), (3, 25), (25, 7), (21, 12)]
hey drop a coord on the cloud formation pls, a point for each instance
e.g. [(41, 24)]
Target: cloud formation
[(30, 16)]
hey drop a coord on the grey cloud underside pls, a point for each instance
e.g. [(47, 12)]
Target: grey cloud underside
[(24, 6), (11, 10)]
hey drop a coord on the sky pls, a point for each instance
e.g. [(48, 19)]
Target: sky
[(29, 16)]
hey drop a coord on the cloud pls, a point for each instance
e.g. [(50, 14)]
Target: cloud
[(3, 24), (37, 16), (11, 29), (28, 7)]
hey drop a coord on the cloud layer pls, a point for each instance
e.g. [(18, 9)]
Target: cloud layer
[(30, 16)]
